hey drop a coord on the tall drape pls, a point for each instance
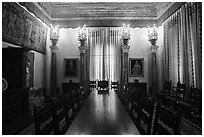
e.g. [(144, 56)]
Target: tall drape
[(104, 52), (183, 45)]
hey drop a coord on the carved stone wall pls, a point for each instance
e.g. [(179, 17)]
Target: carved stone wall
[(21, 28)]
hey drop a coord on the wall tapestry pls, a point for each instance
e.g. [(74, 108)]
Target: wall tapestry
[(21, 28)]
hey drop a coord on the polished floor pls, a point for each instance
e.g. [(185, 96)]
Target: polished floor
[(102, 114)]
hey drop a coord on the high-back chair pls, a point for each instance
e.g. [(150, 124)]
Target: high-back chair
[(114, 85), (192, 107), (43, 120), (179, 96), (146, 115), (161, 96), (59, 117), (167, 122)]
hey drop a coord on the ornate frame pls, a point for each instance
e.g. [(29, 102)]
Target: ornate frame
[(136, 70), (71, 67)]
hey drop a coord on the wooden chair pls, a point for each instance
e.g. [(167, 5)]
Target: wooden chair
[(136, 103), (193, 107), (145, 115), (103, 87), (161, 96), (43, 120), (167, 122), (59, 117), (114, 85), (92, 84), (68, 107), (179, 96)]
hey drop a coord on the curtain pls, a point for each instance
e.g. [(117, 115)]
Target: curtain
[(104, 53), (183, 44)]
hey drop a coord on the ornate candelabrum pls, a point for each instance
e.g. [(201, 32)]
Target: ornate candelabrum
[(54, 37), (82, 37), (153, 36), (125, 33), (125, 36)]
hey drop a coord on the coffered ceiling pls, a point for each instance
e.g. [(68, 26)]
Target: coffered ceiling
[(75, 14), (104, 10)]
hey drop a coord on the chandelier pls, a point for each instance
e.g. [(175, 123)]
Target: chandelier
[(54, 33), (152, 33), (82, 33), (125, 31)]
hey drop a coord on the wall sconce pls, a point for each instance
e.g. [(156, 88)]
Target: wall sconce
[(125, 32), (54, 33), (82, 33), (152, 34)]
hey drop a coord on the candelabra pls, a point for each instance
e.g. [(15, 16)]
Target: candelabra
[(82, 33), (125, 36), (153, 36), (82, 37), (54, 37)]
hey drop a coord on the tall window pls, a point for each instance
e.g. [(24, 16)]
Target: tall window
[(104, 53)]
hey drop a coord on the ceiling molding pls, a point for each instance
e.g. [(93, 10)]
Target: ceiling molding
[(104, 23), (72, 15)]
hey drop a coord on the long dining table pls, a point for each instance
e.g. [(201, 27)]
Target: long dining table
[(102, 114)]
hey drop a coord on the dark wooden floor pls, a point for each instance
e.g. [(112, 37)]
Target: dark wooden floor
[(102, 114)]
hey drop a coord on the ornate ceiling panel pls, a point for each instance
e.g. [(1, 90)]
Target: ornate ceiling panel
[(74, 14), (78, 11)]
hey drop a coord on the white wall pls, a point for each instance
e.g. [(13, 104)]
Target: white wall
[(139, 48), (68, 48)]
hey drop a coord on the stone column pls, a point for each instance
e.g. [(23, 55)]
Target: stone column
[(83, 77), (125, 50), (54, 37), (153, 50), (53, 83)]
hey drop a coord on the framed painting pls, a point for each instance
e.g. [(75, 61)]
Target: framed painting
[(71, 67), (136, 67)]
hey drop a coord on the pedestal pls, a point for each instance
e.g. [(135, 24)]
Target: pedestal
[(153, 50), (125, 49), (54, 70), (83, 74)]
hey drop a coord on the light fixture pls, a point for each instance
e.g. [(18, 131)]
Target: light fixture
[(125, 31), (54, 33), (82, 33), (152, 33)]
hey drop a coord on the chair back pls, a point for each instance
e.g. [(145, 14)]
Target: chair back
[(196, 101), (196, 95), (92, 84), (114, 85), (180, 90), (43, 119), (146, 114), (59, 117), (167, 122)]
